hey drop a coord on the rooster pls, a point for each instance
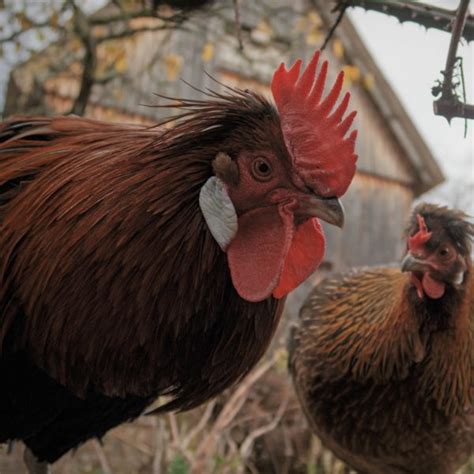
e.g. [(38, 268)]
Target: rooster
[(143, 262), (383, 360)]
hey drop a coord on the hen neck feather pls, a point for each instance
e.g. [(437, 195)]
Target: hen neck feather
[(447, 329)]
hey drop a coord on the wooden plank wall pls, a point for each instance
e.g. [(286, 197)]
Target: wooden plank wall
[(376, 212)]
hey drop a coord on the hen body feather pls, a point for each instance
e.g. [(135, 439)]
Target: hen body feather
[(387, 386)]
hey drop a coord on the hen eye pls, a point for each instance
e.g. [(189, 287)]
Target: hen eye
[(444, 252), (261, 169)]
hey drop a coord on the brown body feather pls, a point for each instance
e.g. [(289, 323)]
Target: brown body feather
[(109, 278), (387, 386), (137, 262)]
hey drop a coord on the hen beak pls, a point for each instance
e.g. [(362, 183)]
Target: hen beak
[(413, 264), (327, 209)]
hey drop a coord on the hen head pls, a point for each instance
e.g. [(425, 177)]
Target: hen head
[(438, 250), (277, 171)]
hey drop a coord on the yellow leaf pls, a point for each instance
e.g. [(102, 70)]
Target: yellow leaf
[(351, 72), (264, 27), (338, 48), (207, 52), (301, 24), (121, 63), (262, 33), (314, 37), (25, 22), (173, 64), (368, 81), (53, 21), (314, 18)]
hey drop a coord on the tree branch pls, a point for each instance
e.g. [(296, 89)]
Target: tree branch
[(132, 31), (423, 14), (331, 31), (449, 105), (130, 15), (82, 29), (227, 414), (246, 447), (238, 23), (160, 443), (104, 463), (201, 424), (101, 19), (107, 77), (34, 26)]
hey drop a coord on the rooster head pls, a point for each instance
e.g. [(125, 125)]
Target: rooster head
[(277, 171), (438, 250)]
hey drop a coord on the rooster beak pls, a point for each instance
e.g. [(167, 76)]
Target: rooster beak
[(327, 209), (413, 264)]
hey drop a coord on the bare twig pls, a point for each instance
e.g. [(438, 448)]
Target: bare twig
[(175, 431), (334, 26), (83, 30), (458, 27), (238, 23), (246, 447), (423, 14), (16, 34), (107, 77), (200, 425), (126, 15), (141, 447), (127, 32), (160, 442), (104, 463), (227, 414), (449, 105)]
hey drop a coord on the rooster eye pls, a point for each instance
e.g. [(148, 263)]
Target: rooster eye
[(261, 169)]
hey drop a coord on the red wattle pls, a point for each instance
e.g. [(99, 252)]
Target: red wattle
[(268, 256), (257, 253), (303, 258), (433, 288)]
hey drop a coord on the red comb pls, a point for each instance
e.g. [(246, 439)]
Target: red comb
[(313, 135), (416, 242)]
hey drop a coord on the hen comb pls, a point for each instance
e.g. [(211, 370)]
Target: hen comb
[(314, 134), (418, 240)]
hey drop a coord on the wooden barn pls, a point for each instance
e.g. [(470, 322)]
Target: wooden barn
[(395, 164)]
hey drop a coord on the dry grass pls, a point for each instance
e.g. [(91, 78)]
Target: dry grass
[(257, 428)]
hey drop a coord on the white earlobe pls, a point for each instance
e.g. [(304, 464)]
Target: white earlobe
[(459, 278), (218, 211)]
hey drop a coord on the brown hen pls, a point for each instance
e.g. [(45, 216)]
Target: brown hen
[(383, 361)]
